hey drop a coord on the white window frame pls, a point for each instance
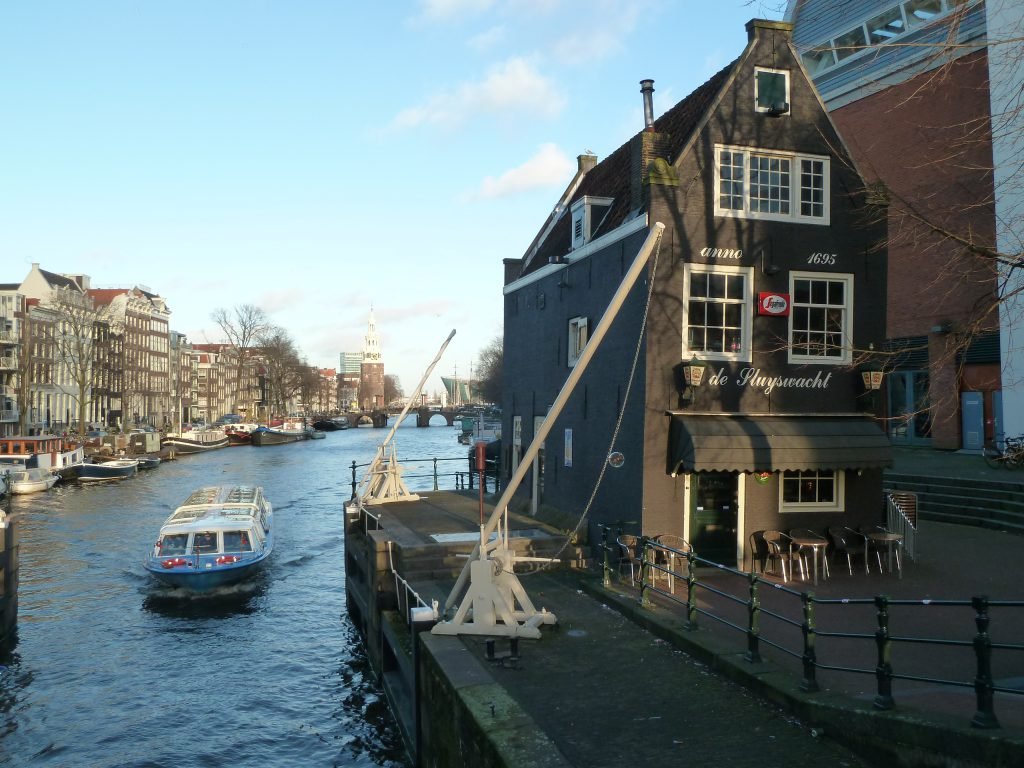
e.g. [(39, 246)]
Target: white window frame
[(836, 505), (795, 197), (583, 218), (578, 337), (846, 345), (757, 85), (746, 313)]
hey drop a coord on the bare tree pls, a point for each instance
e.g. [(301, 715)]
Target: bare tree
[(75, 318), (489, 370), (392, 389), (242, 327), (283, 368)]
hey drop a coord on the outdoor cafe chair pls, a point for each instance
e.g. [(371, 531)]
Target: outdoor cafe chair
[(758, 551), (628, 556), (671, 557), (782, 553), (849, 543)]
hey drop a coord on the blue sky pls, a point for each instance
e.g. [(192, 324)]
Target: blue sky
[(317, 157)]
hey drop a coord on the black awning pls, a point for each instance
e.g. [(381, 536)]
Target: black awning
[(738, 443)]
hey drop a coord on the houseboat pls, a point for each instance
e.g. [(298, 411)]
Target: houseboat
[(217, 537), (290, 431), (49, 452), (194, 441)]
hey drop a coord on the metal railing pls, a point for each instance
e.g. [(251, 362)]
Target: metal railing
[(435, 476), (901, 517), (413, 607), (745, 613)]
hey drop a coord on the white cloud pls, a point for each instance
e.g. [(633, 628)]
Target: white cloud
[(514, 85), (598, 34), (549, 167), (487, 39), (436, 10)]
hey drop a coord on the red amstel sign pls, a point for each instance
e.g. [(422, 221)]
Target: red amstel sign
[(774, 304)]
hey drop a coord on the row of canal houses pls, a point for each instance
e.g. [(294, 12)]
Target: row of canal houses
[(140, 370), (737, 387)]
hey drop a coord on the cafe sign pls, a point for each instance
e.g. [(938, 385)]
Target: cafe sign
[(755, 379), (773, 304)]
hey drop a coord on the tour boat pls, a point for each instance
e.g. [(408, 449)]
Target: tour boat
[(219, 536), (31, 480), (194, 441), (115, 469)]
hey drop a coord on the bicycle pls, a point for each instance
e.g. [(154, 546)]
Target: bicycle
[(1010, 456)]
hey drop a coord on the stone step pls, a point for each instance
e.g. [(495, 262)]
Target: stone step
[(988, 503)]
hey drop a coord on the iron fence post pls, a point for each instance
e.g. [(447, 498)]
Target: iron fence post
[(691, 592), (607, 582), (753, 622), (985, 717), (810, 657), (435, 473), (884, 669), (353, 479), (645, 571)]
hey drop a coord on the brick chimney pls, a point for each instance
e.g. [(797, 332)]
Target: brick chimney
[(645, 148)]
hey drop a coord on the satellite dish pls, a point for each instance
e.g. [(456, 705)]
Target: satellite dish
[(616, 459)]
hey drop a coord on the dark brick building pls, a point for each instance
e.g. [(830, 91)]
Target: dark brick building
[(769, 271)]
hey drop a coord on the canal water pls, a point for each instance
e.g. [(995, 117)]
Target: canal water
[(112, 670)]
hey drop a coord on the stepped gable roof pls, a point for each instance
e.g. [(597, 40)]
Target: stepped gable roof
[(612, 176)]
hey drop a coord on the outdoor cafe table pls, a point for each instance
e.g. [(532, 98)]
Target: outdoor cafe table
[(889, 540), (817, 545)]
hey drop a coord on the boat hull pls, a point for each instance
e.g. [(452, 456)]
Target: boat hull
[(205, 579), (148, 462), (31, 481), (185, 445), (277, 436), (108, 470)]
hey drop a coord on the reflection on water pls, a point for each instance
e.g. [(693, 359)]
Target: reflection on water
[(111, 668)]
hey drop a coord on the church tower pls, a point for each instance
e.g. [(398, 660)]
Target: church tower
[(371, 370)]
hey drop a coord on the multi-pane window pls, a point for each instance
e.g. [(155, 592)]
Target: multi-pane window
[(769, 184), (820, 490), (771, 91), (819, 321), (730, 179), (812, 188), (753, 183), (892, 23), (718, 311)]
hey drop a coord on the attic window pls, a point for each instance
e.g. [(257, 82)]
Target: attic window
[(771, 91), (587, 215)]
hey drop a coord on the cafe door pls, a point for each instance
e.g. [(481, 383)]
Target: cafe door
[(714, 515)]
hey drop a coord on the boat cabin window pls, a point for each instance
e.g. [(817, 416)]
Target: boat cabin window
[(204, 541), (237, 541), (173, 544)]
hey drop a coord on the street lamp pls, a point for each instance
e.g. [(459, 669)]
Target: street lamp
[(693, 375), (871, 374)]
